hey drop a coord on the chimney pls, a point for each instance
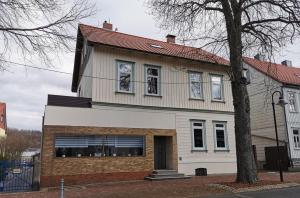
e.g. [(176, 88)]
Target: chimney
[(260, 57), (287, 63), (107, 25), (170, 38)]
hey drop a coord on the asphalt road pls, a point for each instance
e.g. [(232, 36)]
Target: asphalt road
[(293, 192)]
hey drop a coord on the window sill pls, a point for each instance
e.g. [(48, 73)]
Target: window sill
[(124, 92), (198, 150), (157, 96), (222, 150), (294, 112), (220, 101), (199, 99)]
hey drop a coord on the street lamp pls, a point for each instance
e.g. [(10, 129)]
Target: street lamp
[(282, 103)]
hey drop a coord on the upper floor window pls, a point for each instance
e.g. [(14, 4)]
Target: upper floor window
[(217, 88), (1, 118), (292, 101), (196, 90), (220, 134), (296, 137), (152, 74), (198, 134), (125, 76)]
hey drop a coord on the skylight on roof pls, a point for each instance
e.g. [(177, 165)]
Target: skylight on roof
[(156, 46)]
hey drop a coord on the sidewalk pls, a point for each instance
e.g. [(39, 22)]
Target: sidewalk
[(195, 187)]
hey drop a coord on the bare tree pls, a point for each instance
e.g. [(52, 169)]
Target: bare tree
[(33, 28), (17, 141), (239, 26)]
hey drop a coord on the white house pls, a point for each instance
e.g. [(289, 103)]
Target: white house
[(153, 105), (266, 78)]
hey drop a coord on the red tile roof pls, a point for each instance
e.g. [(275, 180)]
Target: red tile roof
[(281, 73), (117, 39)]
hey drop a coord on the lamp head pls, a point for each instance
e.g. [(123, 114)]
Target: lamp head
[(282, 102)]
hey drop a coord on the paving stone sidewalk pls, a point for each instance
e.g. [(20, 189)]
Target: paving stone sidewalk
[(195, 187)]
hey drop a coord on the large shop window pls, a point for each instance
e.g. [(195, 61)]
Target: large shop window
[(99, 146)]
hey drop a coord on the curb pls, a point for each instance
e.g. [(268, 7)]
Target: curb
[(253, 189)]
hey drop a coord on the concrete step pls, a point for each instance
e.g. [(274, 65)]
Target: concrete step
[(158, 175), (164, 172), (294, 169), (166, 178), (167, 175)]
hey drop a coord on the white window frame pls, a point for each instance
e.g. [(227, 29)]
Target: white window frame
[(221, 87), (293, 136), (201, 85), (215, 128), (158, 68), (131, 87), (194, 148), (295, 102)]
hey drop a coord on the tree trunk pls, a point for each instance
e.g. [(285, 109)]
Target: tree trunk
[(246, 166)]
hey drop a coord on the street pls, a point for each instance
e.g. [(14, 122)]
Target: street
[(293, 192)]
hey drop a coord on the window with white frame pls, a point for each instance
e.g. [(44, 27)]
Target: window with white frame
[(152, 74), (125, 76), (198, 134), (292, 101), (296, 138), (217, 87), (195, 80), (220, 135)]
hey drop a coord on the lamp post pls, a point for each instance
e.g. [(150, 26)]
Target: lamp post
[(281, 102)]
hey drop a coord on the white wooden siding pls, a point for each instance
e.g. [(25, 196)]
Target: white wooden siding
[(293, 121), (174, 77), (86, 81)]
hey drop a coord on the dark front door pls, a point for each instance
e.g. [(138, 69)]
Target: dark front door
[(160, 152)]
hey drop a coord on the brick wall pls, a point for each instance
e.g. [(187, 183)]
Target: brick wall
[(98, 169)]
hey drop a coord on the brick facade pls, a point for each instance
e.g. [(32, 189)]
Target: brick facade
[(98, 169), (3, 116)]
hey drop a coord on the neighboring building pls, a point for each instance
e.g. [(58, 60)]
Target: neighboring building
[(3, 125), (28, 154), (143, 105), (266, 78)]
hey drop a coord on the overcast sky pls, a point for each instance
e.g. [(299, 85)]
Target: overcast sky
[(25, 90)]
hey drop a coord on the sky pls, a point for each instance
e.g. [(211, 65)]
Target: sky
[(25, 90)]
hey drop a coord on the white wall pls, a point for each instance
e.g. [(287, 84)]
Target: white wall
[(93, 117)]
